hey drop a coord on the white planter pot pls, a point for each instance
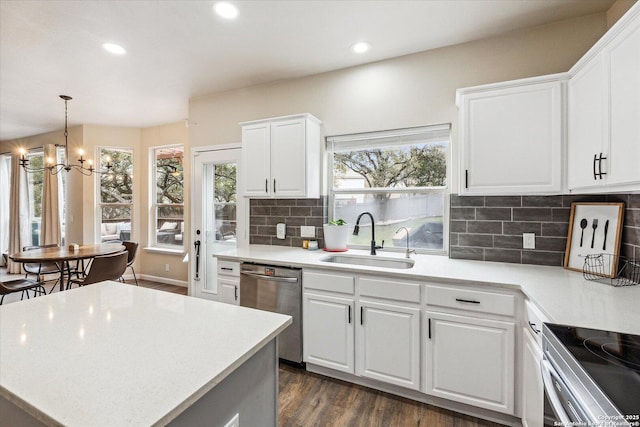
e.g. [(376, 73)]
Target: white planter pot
[(335, 237)]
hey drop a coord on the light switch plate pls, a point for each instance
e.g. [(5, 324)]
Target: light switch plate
[(307, 231), (528, 240), (281, 230)]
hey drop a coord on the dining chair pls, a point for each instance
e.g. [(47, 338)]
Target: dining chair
[(103, 267), (42, 268), (132, 250), (21, 285)]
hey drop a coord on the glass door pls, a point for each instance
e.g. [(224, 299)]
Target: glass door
[(218, 216)]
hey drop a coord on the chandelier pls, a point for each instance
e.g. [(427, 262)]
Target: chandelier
[(54, 168)]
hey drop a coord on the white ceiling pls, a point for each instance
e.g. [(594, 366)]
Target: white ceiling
[(180, 49)]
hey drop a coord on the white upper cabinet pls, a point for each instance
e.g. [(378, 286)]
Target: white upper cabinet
[(281, 157), (511, 137), (604, 112)]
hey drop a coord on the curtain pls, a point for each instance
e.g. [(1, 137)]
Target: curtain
[(19, 224), (50, 206), (4, 205)]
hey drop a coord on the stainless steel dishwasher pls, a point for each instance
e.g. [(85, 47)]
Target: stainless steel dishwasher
[(279, 290)]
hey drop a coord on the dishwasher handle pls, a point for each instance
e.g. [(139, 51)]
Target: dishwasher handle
[(271, 278), (551, 393)]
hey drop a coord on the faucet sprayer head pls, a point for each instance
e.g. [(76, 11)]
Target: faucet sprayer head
[(356, 230)]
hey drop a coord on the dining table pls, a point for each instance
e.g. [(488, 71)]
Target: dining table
[(63, 255)]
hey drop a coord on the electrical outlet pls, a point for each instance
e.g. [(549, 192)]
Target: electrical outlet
[(281, 230), (166, 267), (307, 231), (528, 240)]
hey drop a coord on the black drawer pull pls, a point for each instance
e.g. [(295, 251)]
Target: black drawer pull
[(533, 328), (226, 268), (470, 301)]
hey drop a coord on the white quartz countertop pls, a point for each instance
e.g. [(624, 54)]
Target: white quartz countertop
[(119, 355), (563, 295)]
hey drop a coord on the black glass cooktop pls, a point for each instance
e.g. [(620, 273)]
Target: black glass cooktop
[(611, 359)]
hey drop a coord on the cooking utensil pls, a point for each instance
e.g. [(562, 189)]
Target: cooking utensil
[(583, 225), (606, 228), (593, 236)]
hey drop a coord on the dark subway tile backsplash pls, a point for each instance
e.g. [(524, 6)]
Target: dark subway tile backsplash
[(490, 228)]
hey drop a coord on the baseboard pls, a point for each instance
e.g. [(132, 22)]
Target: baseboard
[(462, 408), (158, 279)]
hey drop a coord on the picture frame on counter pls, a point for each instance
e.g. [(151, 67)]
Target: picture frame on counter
[(594, 229)]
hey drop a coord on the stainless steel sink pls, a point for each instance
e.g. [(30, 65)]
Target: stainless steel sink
[(369, 261)]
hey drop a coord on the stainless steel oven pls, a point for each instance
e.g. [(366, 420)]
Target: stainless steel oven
[(276, 289), (591, 377)]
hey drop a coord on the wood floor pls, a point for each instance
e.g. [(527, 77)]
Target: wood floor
[(310, 400)]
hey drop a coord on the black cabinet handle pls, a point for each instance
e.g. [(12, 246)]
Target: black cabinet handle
[(226, 268), (236, 294), (466, 178), (533, 328), (274, 186), (349, 314), (470, 301), (595, 160), (429, 329), (266, 184), (600, 159), (362, 315)]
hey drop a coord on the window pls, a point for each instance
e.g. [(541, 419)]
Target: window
[(400, 177), (168, 203), (116, 194), (35, 181)]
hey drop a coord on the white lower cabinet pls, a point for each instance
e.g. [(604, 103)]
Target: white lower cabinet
[(389, 343), (229, 290), (470, 360), (380, 339), (532, 386), (329, 331)]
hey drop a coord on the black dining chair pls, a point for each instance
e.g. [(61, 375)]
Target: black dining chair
[(42, 268), (132, 249), (21, 285), (103, 267)]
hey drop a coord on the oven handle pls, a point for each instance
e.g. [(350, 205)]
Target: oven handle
[(271, 278), (554, 400)]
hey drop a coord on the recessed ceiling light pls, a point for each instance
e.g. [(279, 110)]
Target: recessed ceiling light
[(226, 10), (114, 48), (361, 47)]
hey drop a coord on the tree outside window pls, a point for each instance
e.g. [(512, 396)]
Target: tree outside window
[(116, 194), (169, 196), (400, 177)]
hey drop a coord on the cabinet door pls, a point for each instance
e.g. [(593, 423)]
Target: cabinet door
[(532, 387), (229, 290), (587, 130), (623, 58), (512, 140), (288, 158), (470, 360), (328, 331), (256, 159), (389, 343)]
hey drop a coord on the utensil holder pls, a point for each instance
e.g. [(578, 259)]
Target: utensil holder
[(597, 267)]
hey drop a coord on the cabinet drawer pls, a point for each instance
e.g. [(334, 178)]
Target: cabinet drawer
[(328, 282), (533, 319), (389, 289), (229, 268), (480, 301)]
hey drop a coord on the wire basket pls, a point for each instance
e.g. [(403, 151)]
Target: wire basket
[(598, 267)]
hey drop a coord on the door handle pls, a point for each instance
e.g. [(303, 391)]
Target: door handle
[(236, 293), (274, 186), (600, 159), (349, 314), (595, 160), (361, 315), (266, 184), (196, 245)]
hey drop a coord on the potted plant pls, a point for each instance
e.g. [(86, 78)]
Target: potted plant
[(336, 233)]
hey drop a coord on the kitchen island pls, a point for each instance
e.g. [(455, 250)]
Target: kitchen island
[(120, 355)]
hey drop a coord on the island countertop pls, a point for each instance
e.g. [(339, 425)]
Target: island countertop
[(115, 354)]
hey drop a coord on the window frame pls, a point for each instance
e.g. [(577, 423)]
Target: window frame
[(435, 132), (98, 194), (154, 205)]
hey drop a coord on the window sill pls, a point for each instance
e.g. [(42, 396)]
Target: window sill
[(166, 251)]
